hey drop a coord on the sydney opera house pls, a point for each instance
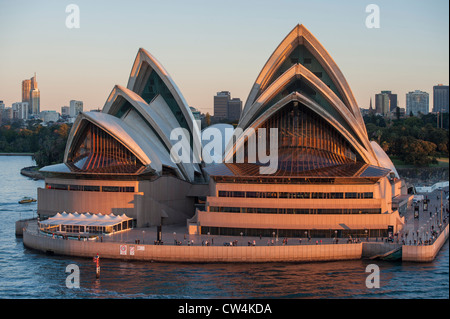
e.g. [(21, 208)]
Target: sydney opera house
[(330, 180)]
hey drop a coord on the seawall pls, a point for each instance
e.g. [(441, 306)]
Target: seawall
[(425, 253), (223, 254), (192, 254)]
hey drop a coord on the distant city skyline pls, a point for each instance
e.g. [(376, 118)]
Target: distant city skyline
[(226, 46)]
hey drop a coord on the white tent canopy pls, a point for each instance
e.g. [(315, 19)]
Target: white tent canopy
[(85, 219)]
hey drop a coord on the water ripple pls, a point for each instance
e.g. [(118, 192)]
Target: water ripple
[(28, 274)]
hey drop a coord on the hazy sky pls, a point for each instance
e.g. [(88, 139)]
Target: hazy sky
[(210, 46)]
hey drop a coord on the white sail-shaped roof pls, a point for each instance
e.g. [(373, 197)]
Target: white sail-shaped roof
[(301, 57)]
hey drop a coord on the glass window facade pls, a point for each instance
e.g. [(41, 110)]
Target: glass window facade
[(297, 195), (314, 211), (98, 152), (305, 141), (90, 188), (304, 234)]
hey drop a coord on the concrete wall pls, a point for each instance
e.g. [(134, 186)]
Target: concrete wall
[(164, 197), (424, 253), (298, 253), (52, 201)]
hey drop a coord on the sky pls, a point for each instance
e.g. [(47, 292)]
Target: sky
[(212, 46)]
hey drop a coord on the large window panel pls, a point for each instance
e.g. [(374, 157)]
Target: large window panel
[(98, 152)]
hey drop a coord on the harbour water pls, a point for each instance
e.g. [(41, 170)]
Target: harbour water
[(28, 274)]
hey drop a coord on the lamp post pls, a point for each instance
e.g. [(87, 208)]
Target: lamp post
[(143, 236), (174, 238)]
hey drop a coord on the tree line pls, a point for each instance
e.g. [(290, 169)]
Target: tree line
[(47, 143), (416, 140)]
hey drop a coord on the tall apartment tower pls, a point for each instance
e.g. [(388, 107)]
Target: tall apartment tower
[(382, 103), (20, 110), (26, 88), (234, 109), (221, 104), (65, 111), (417, 102), (75, 108), (441, 98), (34, 103), (385, 102), (227, 108), (392, 100)]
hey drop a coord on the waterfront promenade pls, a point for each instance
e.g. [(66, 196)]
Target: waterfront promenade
[(179, 246)]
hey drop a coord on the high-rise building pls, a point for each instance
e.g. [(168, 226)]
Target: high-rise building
[(35, 101), (392, 100), (7, 114), (49, 116), (221, 104), (65, 111), (75, 108), (26, 88), (20, 110), (34, 107), (417, 102), (441, 98), (234, 109), (385, 102), (226, 107), (382, 103)]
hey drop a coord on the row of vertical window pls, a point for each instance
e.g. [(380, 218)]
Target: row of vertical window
[(297, 195), (298, 233), (313, 211), (91, 188)]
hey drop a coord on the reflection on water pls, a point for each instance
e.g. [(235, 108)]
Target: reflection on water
[(28, 274)]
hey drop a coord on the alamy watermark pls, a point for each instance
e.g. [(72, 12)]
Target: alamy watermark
[(373, 19), (373, 279), (216, 143), (73, 19), (73, 279)]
